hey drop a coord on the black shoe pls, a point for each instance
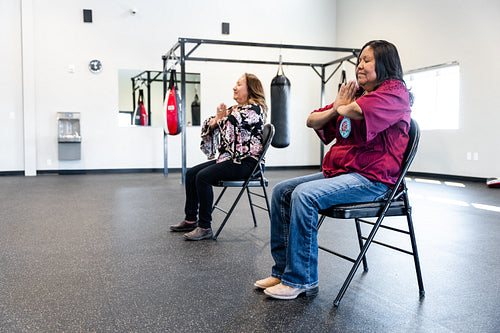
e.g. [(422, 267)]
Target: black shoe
[(183, 226), (199, 234)]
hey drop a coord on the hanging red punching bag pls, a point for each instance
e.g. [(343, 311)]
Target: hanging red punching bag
[(173, 107), (144, 115)]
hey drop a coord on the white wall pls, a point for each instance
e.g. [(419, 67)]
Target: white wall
[(431, 32), (124, 41), (11, 110)]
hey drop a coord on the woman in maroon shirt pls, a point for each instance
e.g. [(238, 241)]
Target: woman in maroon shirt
[(370, 125)]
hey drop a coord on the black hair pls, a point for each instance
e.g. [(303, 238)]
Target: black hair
[(387, 62)]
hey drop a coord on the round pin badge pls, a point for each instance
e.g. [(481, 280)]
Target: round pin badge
[(345, 127)]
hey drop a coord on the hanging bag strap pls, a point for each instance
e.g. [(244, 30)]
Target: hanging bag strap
[(173, 79), (280, 66), (141, 96)]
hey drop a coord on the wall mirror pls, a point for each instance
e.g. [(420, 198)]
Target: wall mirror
[(146, 86)]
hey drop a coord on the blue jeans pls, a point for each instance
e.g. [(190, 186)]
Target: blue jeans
[(294, 219)]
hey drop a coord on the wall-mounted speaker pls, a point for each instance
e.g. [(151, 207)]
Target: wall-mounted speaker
[(225, 28), (87, 15)]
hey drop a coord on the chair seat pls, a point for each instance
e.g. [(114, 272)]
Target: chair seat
[(363, 210), (254, 182)]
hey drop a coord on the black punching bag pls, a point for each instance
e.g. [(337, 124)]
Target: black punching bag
[(343, 78), (280, 110), (195, 111)]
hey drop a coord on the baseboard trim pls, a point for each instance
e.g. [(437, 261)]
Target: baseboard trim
[(12, 173), (99, 171), (445, 177)]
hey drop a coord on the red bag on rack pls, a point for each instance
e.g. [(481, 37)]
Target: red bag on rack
[(173, 108), (144, 115)]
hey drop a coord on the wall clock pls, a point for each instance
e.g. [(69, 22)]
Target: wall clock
[(95, 66)]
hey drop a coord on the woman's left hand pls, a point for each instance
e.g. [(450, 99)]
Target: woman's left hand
[(221, 111), (346, 94)]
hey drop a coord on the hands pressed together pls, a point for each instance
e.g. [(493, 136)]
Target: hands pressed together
[(221, 111), (346, 93), (219, 114), (343, 105)]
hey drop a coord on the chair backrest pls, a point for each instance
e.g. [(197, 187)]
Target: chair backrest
[(267, 137), (411, 149), (410, 152)]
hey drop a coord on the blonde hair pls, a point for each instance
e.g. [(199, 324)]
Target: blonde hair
[(256, 92)]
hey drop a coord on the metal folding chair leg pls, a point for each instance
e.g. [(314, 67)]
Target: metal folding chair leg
[(255, 179), (251, 207), (415, 255), (267, 202), (218, 198), (229, 212), (358, 261), (360, 240)]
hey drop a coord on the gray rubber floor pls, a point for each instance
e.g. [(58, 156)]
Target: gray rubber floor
[(93, 253)]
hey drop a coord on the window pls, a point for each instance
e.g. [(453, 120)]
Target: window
[(436, 93)]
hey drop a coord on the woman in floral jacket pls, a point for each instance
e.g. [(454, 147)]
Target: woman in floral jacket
[(236, 134)]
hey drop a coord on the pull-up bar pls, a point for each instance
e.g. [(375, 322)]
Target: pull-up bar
[(184, 56)]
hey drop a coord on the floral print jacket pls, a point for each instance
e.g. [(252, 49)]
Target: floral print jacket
[(237, 136)]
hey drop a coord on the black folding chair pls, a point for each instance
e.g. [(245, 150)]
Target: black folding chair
[(256, 179), (397, 204)]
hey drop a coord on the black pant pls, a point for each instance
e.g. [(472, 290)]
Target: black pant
[(199, 182)]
